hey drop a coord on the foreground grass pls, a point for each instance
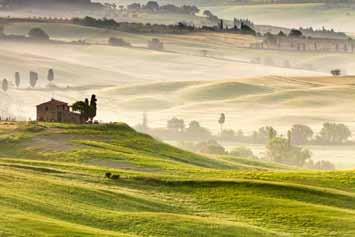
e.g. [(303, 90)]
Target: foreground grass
[(59, 189)]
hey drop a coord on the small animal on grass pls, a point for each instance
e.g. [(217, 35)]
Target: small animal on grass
[(109, 175), (115, 176)]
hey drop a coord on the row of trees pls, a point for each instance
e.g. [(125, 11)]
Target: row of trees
[(278, 149), (281, 149), (181, 27), (177, 129), (330, 134), (153, 6), (32, 79)]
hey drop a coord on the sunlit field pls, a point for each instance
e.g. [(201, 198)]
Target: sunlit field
[(53, 183), (194, 134)]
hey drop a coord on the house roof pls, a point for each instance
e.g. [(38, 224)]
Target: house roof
[(53, 102)]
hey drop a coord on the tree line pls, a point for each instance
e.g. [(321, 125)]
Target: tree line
[(33, 79), (180, 27), (153, 6), (330, 134), (278, 149), (178, 129)]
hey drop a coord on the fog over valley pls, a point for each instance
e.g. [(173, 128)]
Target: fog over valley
[(177, 118)]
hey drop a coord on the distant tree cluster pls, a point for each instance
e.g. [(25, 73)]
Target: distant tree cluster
[(153, 6), (176, 125), (178, 28), (210, 16), (177, 129), (240, 22), (210, 147), (155, 44), (35, 34), (38, 34), (243, 152), (330, 134), (336, 72), (118, 42), (323, 33), (333, 133), (87, 109), (281, 150), (213, 147), (134, 27)]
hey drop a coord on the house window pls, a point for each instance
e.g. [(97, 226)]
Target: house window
[(46, 108)]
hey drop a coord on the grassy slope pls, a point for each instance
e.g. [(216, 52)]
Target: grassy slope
[(52, 185)]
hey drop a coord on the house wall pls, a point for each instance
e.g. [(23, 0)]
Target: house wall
[(49, 112), (57, 113)]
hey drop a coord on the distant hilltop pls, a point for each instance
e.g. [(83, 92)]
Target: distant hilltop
[(46, 3)]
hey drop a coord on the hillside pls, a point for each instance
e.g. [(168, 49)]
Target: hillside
[(264, 100), (52, 184)]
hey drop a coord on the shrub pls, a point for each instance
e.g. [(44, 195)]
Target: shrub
[(118, 42), (211, 147), (242, 152), (115, 176), (324, 165), (38, 33), (336, 72)]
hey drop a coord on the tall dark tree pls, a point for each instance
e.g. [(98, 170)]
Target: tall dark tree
[(93, 107), (221, 121), (87, 109), (33, 79), (50, 76), (5, 85), (17, 79)]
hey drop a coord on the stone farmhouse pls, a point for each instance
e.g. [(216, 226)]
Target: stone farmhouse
[(57, 111), (306, 44)]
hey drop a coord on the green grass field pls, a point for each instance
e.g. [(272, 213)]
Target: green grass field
[(52, 184)]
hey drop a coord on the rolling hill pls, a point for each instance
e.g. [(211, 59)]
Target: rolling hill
[(52, 184)]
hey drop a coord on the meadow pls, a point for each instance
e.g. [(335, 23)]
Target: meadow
[(179, 81), (53, 184)]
